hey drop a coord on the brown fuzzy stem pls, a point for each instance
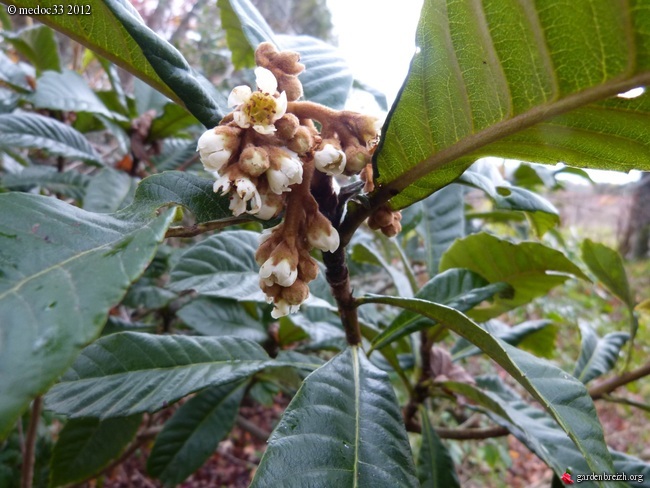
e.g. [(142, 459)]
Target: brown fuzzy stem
[(27, 474), (612, 384), (338, 277)]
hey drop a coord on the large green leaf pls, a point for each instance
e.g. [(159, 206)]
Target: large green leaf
[(598, 354), (127, 373), (32, 131), (38, 45), (115, 30), (347, 428), (70, 184), (531, 268), (51, 302), (223, 265), (607, 265), (221, 317), (109, 191), (435, 466), (365, 251), (190, 191), (193, 433), (69, 92), (85, 446), (457, 288), (443, 222), (563, 396), (518, 80)]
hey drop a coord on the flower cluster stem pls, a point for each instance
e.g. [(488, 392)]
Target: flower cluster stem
[(27, 475)]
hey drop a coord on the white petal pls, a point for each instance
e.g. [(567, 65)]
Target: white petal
[(278, 182), (223, 184), (215, 161), (241, 119), (237, 205), (281, 308), (239, 95), (210, 142), (264, 129), (265, 80), (280, 106)]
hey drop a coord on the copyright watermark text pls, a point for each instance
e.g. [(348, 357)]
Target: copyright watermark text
[(58, 9)]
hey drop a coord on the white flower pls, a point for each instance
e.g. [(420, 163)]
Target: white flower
[(222, 184), (270, 207), (323, 239), (215, 147), (247, 191), (258, 109), (237, 205), (282, 273), (282, 308), (289, 173), (330, 160)]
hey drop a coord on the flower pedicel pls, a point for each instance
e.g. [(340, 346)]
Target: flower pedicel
[(264, 156)]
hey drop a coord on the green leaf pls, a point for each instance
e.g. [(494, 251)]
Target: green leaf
[(532, 426), (457, 288), (38, 45), (245, 29), (173, 119), (220, 317), (327, 78), (145, 294), (128, 373), (175, 152), (31, 131), (86, 446), (109, 191), (12, 74), (519, 81), (190, 191), (71, 184), (434, 465), (563, 396), (625, 463), (531, 268), (193, 433), (51, 301), (543, 214), (321, 335), (511, 335), (443, 223), (346, 424), (69, 92), (223, 265), (607, 265), (365, 251), (115, 31), (598, 355)]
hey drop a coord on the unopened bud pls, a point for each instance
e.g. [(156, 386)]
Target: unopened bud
[(357, 157), (291, 85), (287, 126), (330, 159), (307, 268), (302, 141), (296, 293), (254, 160)]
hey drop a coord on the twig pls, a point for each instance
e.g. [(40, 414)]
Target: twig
[(612, 384), (465, 434), (251, 428), (27, 475), (196, 229), (338, 277)]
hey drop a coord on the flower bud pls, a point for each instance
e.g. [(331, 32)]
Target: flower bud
[(254, 160), (357, 157), (286, 170), (282, 308), (380, 218), (296, 293), (247, 191), (330, 159), (222, 184), (307, 267), (291, 85), (272, 205), (302, 141), (216, 145), (322, 235), (287, 126)]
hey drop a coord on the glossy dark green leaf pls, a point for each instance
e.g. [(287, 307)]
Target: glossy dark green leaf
[(69, 92), (139, 50), (193, 433), (127, 373), (443, 222), (598, 355), (38, 45), (71, 184), (32, 131), (563, 396), (434, 464), (109, 191), (191, 191), (223, 265), (520, 81), (531, 268), (51, 302), (346, 424), (607, 265), (245, 30), (457, 288), (221, 317), (86, 446), (511, 335)]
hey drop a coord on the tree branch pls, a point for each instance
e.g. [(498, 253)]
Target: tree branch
[(597, 392), (196, 229), (27, 474)]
